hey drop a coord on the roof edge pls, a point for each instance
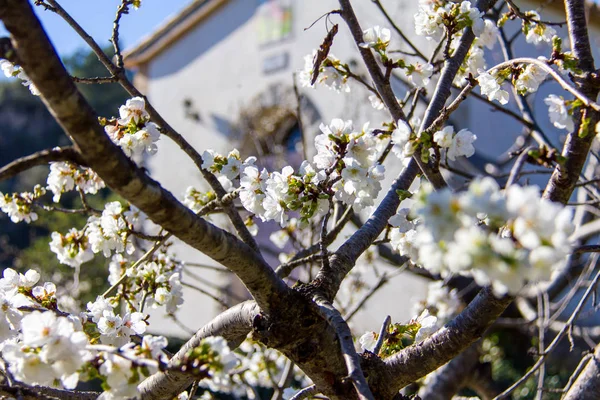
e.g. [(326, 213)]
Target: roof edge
[(179, 24), (170, 31)]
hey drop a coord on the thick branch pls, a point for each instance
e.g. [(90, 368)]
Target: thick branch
[(417, 361), (20, 391), (59, 93), (233, 324), (450, 378), (578, 34), (563, 180), (329, 279), (41, 158), (382, 84), (587, 385)]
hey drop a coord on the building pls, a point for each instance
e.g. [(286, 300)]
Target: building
[(222, 68)]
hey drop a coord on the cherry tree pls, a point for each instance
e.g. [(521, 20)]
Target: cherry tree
[(484, 246)]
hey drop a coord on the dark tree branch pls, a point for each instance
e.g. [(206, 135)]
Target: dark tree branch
[(39, 59), (41, 158), (382, 84), (417, 361), (450, 378), (587, 384), (576, 148), (166, 128), (233, 324)]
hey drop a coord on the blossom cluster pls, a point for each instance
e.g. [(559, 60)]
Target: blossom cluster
[(456, 144), (19, 206), (344, 168), (42, 345), (501, 239), (65, 176), (331, 73), (155, 283), (535, 31), (11, 70), (436, 17), (106, 233), (133, 131)]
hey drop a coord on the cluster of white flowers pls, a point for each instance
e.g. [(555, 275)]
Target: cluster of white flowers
[(157, 283), (434, 17), (345, 166), (11, 70), (65, 176), (457, 144), (502, 239), (109, 232), (529, 79), (559, 113), (50, 349), (115, 330), (133, 131), (490, 85), (226, 168), (112, 230), (18, 206), (72, 249), (41, 345), (475, 61), (535, 31), (332, 73)]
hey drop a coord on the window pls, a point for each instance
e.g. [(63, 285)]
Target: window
[(274, 21)]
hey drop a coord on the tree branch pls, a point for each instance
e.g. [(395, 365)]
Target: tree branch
[(39, 59), (233, 324), (416, 361), (165, 127), (450, 378), (382, 84), (41, 158), (334, 318), (587, 384), (576, 149)]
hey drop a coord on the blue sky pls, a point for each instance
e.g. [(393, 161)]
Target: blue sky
[(96, 17)]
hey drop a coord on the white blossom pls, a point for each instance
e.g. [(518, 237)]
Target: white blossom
[(376, 37), (559, 113), (491, 88)]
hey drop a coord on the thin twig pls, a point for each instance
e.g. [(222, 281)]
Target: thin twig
[(41, 158), (515, 171), (556, 340), (305, 393), (382, 334), (335, 320)]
